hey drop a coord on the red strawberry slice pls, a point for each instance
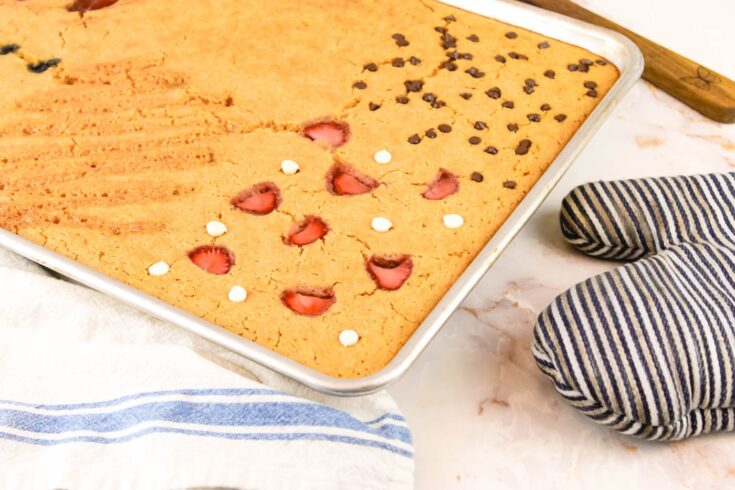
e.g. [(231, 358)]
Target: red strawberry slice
[(333, 133), (390, 273), (311, 229), (213, 259), (308, 301), (85, 5), (444, 185), (343, 180), (259, 199)]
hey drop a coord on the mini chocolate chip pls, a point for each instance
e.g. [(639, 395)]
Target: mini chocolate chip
[(592, 93), (360, 85), (517, 56), (430, 133), (601, 62), (402, 43), (448, 41), (373, 106), (402, 99), (531, 82), (545, 107), (480, 125), (543, 45), (414, 85), (9, 48), (42, 66), (560, 117), (523, 147), (438, 104), (528, 89), (370, 67), (512, 127), (494, 93), (550, 74), (453, 55), (473, 38), (475, 73), (500, 59), (466, 56), (586, 62), (511, 35), (534, 117), (397, 62), (398, 36), (590, 84), (450, 18), (477, 177), (508, 104), (475, 140), (491, 150), (440, 29), (414, 60), (466, 95), (510, 184), (572, 67), (445, 128), (429, 97), (414, 139), (450, 65), (584, 68)]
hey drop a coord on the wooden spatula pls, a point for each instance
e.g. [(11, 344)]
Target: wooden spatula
[(700, 88)]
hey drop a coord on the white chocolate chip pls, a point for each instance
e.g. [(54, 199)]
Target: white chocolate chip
[(158, 269), (348, 337), (237, 294), (216, 228), (382, 224), (289, 167), (453, 221), (383, 156)]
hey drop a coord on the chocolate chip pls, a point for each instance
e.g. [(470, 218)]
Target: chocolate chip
[(590, 84), (511, 35), (517, 56), (450, 18), (438, 104), (466, 56), (475, 140), (543, 45), (430, 133), (491, 150), (402, 99), (510, 184), (531, 82), (360, 85), (9, 48), (475, 73), (370, 67), (592, 93), (584, 68), (550, 74), (572, 67), (560, 117), (397, 62), (480, 125), (414, 139), (448, 41), (453, 55), (477, 177), (445, 128), (466, 95), (508, 104), (450, 65), (601, 62), (545, 107), (586, 62), (473, 38), (414, 60), (373, 106), (400, 40), (523, 147), (42, 66), (440, 29), (398, 36), (414, 85), (500, 59), (512, 127), (528, 89), (534, 117), (429, 97), (494, 93)]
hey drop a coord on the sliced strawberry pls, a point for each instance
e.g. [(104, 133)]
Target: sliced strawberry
[(390, 273), (213, 259), (308, 301), (85, 5), (334, 133), (311, 229), (259, 199), (343, 180), (444, 185)]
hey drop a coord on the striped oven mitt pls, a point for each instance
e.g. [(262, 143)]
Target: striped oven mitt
[(647, 348)]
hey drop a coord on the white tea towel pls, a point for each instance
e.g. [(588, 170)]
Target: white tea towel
[(96, 395)]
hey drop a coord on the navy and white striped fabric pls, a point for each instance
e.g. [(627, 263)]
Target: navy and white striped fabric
[(649, 348)]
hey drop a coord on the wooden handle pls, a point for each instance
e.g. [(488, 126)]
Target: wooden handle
[(700, 88)]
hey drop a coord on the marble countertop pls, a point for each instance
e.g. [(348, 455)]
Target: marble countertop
[(482, 415)]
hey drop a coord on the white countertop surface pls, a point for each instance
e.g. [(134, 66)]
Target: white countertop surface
[(482, 415)]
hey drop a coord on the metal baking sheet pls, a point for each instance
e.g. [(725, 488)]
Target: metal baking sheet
[(612, 46)]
